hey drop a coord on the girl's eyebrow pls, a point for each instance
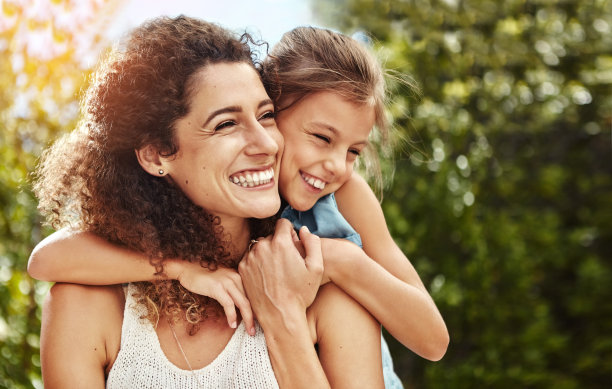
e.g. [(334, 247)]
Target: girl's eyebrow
[(335, 132), (233, 109)]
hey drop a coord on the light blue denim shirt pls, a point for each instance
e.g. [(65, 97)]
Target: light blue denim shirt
[(325, 220)]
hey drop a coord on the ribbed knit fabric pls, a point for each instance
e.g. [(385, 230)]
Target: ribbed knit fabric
[(141, 363)]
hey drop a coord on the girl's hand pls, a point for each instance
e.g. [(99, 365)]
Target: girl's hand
[(223, 285), (276, 277)]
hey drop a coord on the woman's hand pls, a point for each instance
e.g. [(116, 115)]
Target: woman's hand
[(277, 278), (222, 284)]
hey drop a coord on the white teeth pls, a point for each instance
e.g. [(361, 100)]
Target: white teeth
[(252, 179), (314, 182)]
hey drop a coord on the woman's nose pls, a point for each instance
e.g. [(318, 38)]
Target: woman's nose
[(264, 139)]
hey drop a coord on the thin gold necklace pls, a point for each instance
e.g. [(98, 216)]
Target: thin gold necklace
[(178, 343)]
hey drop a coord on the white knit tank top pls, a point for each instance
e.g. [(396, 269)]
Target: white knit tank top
[(141, 363)]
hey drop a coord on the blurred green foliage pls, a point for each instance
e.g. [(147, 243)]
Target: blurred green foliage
[(45, 51), (503, 199)]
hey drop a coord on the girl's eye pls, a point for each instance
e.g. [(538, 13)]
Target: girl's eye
[(356, 152), (225, 124), (268, 115), (322, 137)]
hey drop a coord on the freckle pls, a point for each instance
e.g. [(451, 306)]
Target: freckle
[(186, 182), (203, 167)]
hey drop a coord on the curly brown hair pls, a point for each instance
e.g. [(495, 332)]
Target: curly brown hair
[(91, 179)]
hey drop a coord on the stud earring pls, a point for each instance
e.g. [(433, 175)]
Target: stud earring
[(161, 172)]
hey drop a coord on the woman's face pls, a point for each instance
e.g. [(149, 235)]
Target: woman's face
[(324, 133), (229, 147)]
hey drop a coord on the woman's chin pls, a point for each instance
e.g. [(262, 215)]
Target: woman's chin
[(264, 211)]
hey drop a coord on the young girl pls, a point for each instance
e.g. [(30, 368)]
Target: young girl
[(329, 93)]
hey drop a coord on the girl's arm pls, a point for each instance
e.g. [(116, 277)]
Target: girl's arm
[(388, 287), (80, 335), (281, 285), (84, 258)]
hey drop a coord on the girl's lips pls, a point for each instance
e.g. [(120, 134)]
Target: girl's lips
[(313, 181)]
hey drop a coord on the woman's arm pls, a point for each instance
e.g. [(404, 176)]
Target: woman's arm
[(348, 338), (388, 287), (80, 335), (84, 258), (280, 285)]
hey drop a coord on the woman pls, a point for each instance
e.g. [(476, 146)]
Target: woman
[(330, 93), (169, 120)]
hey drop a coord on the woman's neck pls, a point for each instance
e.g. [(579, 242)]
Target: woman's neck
[(239, 232)]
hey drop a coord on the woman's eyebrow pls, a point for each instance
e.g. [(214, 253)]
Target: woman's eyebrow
[(233, 109), (230, 109)]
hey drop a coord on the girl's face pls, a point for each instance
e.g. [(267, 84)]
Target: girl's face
[(324, 133), (229, 147)]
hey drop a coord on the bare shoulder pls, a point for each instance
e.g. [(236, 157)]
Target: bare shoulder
[(79, 293), (90, 310), (358, 203), (74, 301), (355, 189), (332, 307), (80, 333), (348, 340), (362, 209)]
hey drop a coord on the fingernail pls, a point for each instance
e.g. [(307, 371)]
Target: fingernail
[(233, 324), (252, 331)]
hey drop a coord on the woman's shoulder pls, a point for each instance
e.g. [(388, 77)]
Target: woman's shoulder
[(87, 297), (331, 307), (98, 309), (81, 325)]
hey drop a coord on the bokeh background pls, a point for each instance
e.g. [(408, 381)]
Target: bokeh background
[(501, 197)]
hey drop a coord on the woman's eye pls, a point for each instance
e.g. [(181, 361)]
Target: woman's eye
[(225, 124), (356, 152), (322, 137), (268, 115)]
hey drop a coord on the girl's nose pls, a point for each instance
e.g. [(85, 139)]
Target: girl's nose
[(336, 164)]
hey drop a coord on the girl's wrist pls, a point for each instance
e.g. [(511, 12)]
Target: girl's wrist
[(337, 257), (173, 269)]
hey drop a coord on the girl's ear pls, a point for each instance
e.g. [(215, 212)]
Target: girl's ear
[(150, 160)]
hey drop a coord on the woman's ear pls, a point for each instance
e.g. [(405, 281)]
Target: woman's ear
[(150, 160)]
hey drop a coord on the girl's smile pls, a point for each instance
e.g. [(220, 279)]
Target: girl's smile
[(324, 133)]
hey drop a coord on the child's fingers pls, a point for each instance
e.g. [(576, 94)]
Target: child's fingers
[(243, 304), (229, 308)]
